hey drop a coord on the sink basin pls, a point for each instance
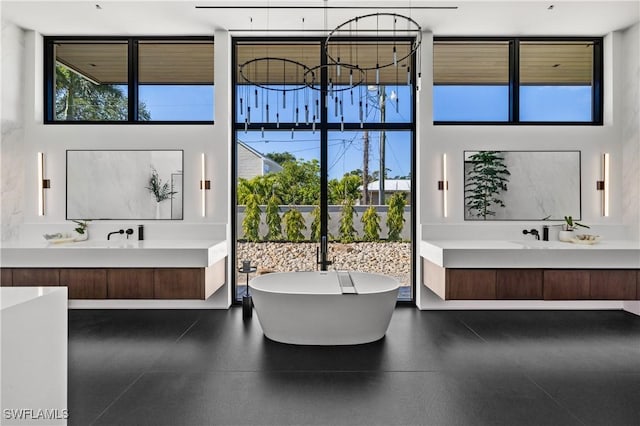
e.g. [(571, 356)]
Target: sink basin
[(540, 245)]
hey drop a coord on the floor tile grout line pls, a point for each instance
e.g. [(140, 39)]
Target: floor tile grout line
[(471, 330), (120, 395), (144, 371), (555, 400), (187, 330)]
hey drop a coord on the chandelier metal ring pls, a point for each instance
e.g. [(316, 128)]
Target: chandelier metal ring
[(306, 71), (360, 80), (414, 46)]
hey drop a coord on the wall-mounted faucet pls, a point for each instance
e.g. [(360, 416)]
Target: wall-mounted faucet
[(533, 232), (129, 232), (322, 254), (115, 232)]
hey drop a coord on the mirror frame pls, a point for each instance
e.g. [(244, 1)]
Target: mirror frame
[(464, 204), (67, 217)]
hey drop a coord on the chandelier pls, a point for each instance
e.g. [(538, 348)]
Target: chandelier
[(350, 59)]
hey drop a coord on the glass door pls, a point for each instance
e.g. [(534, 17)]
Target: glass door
[(322, 169)]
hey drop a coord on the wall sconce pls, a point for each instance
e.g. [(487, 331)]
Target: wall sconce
[(204, 185), (603, 185), (443, 185), (42, 184)]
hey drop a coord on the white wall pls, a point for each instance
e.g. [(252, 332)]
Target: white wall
[(12, 131), (630, 51), (54, 140)]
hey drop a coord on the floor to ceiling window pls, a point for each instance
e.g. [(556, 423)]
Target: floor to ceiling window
[(324, 151)]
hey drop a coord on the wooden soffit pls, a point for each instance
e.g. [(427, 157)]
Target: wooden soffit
[(161, 62), (550, 63), (365, 54)]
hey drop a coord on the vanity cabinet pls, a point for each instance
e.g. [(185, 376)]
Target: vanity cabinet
[(531, 284), (123, 283)]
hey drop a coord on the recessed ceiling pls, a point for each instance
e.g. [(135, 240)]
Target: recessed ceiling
[(593, 18)]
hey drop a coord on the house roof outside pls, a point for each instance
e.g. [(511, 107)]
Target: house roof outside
[(273, 165), (390, 185)]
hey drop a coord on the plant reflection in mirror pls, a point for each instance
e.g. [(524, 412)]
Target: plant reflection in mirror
[(486, 180)]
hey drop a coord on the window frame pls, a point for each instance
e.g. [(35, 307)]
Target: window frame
[(323, 127), (597, 94), (132, 77)]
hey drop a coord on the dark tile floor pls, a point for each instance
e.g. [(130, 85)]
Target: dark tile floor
[(186, 367)]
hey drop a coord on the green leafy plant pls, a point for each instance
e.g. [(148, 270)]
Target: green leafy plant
[(273, 220), (82, 225), (161, 191), (251, 221), (486, 179), (294, 225), (570, 224), (346, 229), (371, 224), (395, 216), (315, 223)]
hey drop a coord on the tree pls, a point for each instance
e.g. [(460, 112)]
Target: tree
[(281, 157), (395, 216), (294, 225), (315, 223), (347, 188), (486, 179), (347, 231), (251, 221), (273, 219), (371, 224), (78, 98), (300, 182)]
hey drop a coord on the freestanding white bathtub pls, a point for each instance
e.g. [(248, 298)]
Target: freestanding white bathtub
[(321, 308)]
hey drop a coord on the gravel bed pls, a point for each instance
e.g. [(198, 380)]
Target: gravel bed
[(389, 258)]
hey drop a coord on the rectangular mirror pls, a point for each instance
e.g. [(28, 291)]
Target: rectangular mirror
[(126, 184), (521, 185)]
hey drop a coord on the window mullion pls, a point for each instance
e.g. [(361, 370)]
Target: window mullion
[(133, 80), (514, 81)]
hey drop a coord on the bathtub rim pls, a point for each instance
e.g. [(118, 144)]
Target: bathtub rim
[(338, 292)]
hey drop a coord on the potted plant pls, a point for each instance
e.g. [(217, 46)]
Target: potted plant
[(82, 229), (161, 191), (569, 225)]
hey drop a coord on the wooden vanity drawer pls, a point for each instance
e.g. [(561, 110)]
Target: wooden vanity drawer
[(178, 283), (85, 283), (129, 283), (6, 279), (566, 284), (519, 284), (471, 284), (35, 277), (613, 284)]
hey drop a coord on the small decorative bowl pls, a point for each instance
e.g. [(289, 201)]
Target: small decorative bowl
[(585, 239)]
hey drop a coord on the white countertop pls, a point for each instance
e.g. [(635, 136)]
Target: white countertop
[(614, 254), (13, 296), (113, 254)]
